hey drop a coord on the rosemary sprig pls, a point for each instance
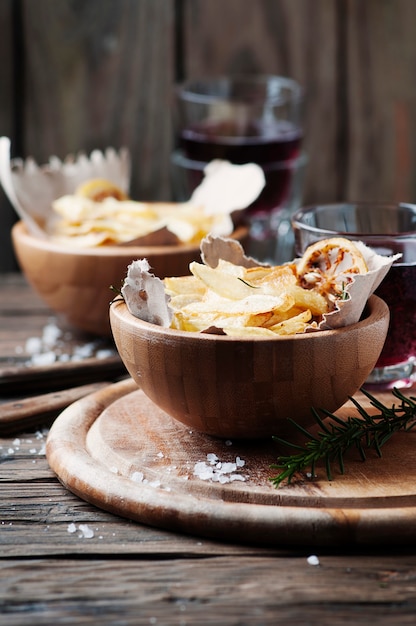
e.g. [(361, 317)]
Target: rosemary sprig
[(248, 284), (338, 436)]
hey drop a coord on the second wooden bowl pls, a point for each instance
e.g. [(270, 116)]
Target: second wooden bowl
[(246, 388), (76, 283)]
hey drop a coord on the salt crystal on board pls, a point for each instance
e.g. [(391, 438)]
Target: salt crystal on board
[(219, 471), (137, 477), (313, 560)]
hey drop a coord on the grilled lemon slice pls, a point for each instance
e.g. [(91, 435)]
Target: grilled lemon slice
[(329, 265)]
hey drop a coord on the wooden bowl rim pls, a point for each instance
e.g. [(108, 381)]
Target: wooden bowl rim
[(376, 309), (20, 232)]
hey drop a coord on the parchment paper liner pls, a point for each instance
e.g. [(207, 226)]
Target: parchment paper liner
[(154, 307), (31, 188)]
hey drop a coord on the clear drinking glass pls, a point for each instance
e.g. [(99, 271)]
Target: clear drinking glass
[(388, 229), (241, 119), (271, 235)]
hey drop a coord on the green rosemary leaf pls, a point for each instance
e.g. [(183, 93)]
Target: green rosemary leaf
[(328, 467), (248, 284), (341, 462), (337, 436), (320, 421)]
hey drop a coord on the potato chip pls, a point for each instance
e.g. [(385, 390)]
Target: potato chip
[(242, 300), (309, 299), (222, 282), (184, 285), (99, 206), (293, 325)]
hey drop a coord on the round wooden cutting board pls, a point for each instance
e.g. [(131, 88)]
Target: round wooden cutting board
[(118, 451)]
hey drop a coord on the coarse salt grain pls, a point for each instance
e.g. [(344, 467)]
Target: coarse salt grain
[(44, 358), (218, 471), (104, 353), (33, 345), (313, 560), (86, 531), (42, 449), (71, 528)]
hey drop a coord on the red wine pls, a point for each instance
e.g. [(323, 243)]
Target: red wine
[(398, 290), (253, 143), (273, 146)]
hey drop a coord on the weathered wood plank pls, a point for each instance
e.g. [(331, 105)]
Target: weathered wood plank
[(99, 74), (8, 108), (381, 99), (220, 590), (356, 63), (294, 38)]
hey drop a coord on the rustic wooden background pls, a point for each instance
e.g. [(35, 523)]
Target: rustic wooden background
[(83, 74)]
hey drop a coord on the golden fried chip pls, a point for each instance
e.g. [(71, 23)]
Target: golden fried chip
[(309, 299), (293, 325), (222, 282), (183, 285)]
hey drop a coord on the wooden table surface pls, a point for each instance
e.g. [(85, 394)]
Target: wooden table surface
[(114, 571)]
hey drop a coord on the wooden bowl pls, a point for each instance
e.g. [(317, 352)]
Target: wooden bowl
[(76, 283), (247, 388)]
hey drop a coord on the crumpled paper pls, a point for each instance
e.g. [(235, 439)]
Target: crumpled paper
[(359, 289), (31, 188), (155, 305), (146, 295)]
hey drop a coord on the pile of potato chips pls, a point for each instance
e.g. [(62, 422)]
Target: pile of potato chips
[(102, 215), (243, 301), (260, 301), (86, 223)]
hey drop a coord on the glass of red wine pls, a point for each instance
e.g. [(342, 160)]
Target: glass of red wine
[(241, 119), (388, 229)]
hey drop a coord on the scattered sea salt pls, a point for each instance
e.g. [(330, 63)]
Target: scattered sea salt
[(86, 531), (219, 471), (42, 449), (52, 346), (137, 477), (104, 353), (313, 560), (33, 345), (71, 528), (44, 358)]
